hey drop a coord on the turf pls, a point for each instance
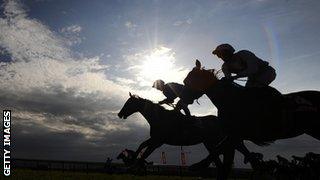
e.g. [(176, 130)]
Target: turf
[(26, 174)]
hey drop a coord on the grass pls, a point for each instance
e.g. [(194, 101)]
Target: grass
[(26, 174)]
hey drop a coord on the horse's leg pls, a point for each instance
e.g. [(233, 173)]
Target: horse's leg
[(227, 147), (142, 146), (228, 157), (150, 148), (205, 163), (242, 148), (224, 168), (253, 158), (212, 157), (214, 150)]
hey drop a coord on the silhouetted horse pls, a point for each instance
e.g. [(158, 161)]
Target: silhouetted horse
[(129, 158), (173, 128), (259, 114)]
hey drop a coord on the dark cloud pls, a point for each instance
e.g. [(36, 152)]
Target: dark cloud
[(57, 100), (59, 123), (38, 142)]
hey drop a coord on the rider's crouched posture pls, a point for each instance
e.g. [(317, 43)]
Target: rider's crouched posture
[(172, 91), (245, 64)]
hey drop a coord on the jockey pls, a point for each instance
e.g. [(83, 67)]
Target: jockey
[(172, 91), (245, 64)]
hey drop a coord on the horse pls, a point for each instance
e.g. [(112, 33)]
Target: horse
[(173, 128), (259, 114), (127, 156)]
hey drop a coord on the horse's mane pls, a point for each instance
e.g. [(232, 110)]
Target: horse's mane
[(200, 79), (155, 104), (161, 108)]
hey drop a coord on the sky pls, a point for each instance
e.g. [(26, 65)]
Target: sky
[(67, 67)]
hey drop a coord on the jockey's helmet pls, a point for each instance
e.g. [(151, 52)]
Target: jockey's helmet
[(158, 84), (223, 48)]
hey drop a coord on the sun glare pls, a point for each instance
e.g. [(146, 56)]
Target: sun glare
[(158, 64)]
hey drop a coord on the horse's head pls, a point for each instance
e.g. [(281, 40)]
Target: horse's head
[(200, 79), (130, 107)]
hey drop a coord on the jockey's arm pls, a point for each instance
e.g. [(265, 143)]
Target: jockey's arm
[(166, 101), (225, 71)]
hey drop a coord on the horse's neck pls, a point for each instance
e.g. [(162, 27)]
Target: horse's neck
[(147, 109), (220, 94)]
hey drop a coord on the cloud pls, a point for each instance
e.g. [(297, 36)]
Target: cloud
[(72, 34), (40, 57), (125, 81), (70, 145), (72, 29), (14, 9), (183, 22), (47, 86)]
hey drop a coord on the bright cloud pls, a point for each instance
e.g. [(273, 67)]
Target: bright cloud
[(47, 85)]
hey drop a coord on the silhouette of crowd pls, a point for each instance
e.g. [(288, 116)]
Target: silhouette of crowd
[(299, 168)]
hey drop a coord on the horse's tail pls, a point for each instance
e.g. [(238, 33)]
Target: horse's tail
[(262, 143)]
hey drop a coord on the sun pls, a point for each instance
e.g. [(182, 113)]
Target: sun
[(158, 64)]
